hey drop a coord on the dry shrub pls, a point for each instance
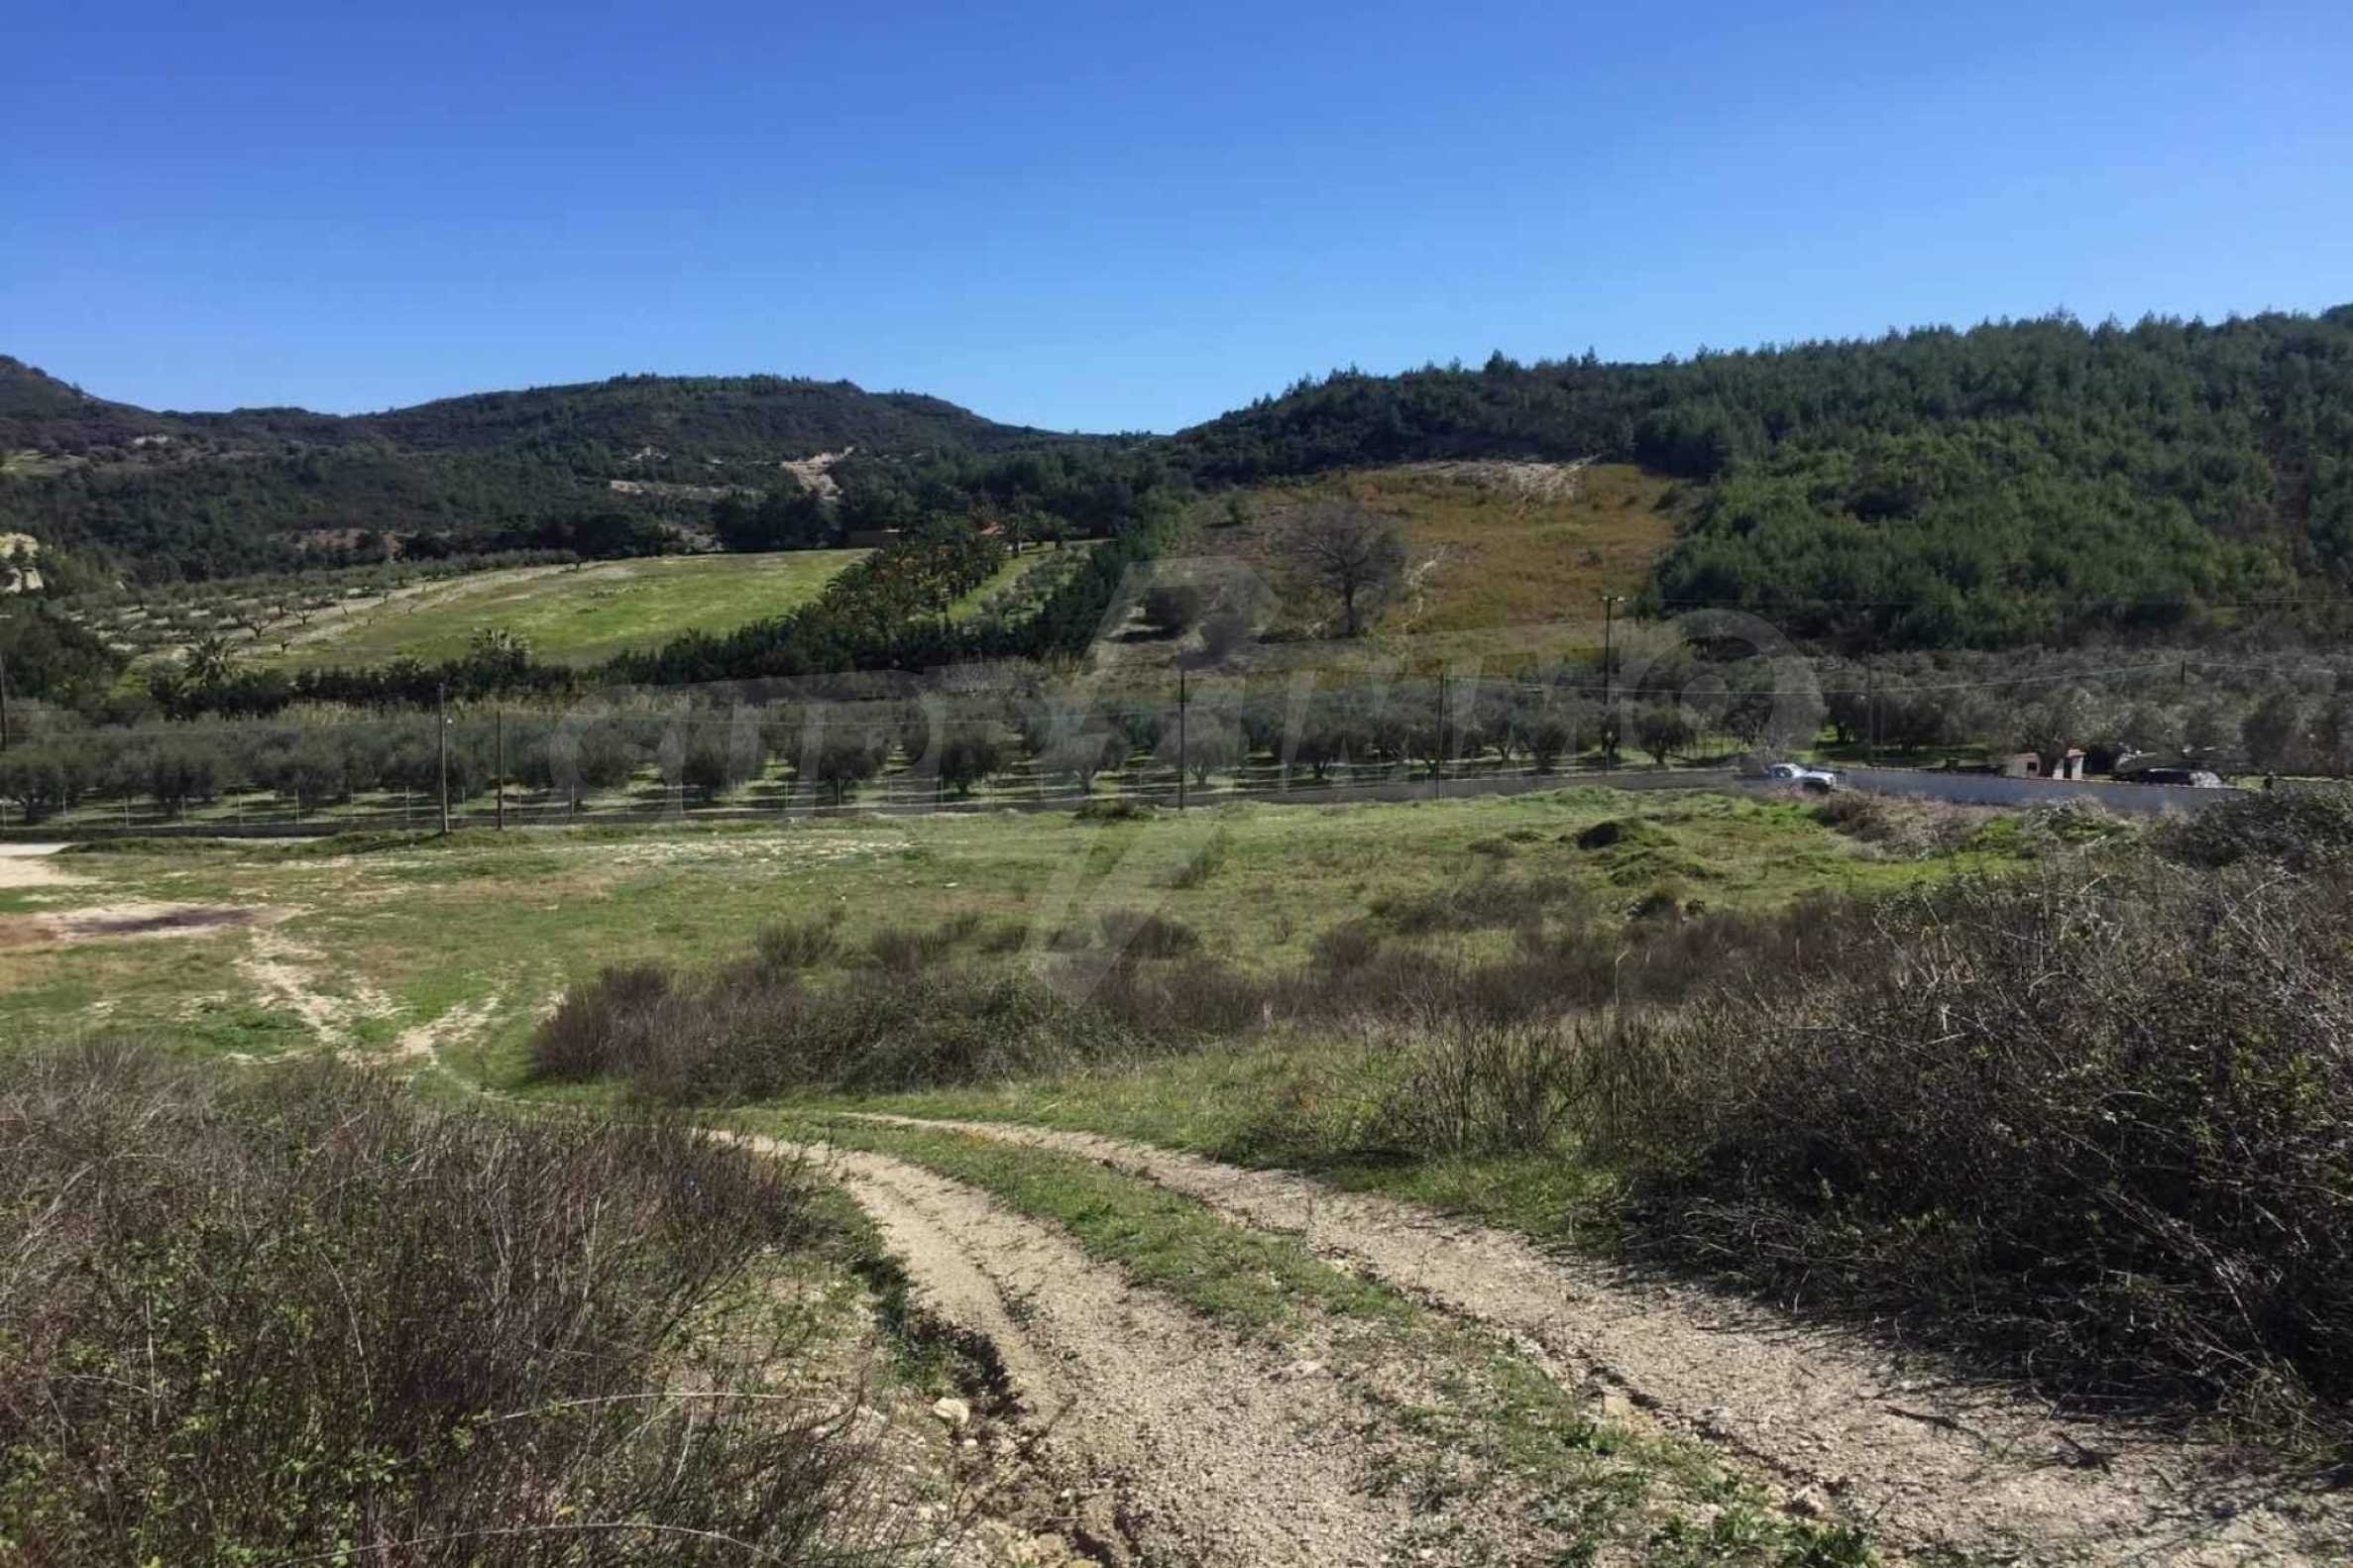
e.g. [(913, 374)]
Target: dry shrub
[(1483, 903), (744, 1033), (1140, 933), (1479, 1086), (2103, 1131), (596, 1027), (1172, 1006), (800, 945), (905, 948), (1901, 826), (1129, 983), (297, 1313), (1115, 808), (2303, 826)]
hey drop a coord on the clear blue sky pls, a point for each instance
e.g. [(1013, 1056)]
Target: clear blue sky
[(1112, 216)]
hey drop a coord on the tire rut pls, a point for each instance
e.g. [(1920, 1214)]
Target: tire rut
[(1925, 1463), (1168, 1441)]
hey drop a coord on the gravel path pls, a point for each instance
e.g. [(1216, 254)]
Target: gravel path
[(1847, 1428), (1166, 1440)]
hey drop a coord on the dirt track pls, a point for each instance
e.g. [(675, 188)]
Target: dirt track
[(1840, 1426), (1162, 1440)]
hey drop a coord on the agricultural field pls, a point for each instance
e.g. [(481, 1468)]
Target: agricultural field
[(1026, 578), (572, 615), (572, 611)]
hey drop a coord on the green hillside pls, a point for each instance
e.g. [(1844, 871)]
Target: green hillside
[(2034, 481), (602, 469), (2037, 482)]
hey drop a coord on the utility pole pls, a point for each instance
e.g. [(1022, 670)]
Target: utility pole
[(1610, 604), (1184, 751), (1871, 719), (1438, 752), (498, 721), (441, 735), (4, 693)]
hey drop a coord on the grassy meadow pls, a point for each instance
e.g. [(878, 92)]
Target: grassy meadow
[(368, 940), (572, 615)]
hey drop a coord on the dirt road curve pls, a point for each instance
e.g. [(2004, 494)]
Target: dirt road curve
[(1162, 1440), (1835, 1423)]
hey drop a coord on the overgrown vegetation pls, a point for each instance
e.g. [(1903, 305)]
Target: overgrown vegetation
[(298, 1316), (758, 1027), (2099, 1128), (2086, 1124), (2304, 827)]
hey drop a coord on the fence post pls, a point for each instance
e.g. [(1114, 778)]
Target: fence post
[(1438, 750), (1183, 753), (441, 735)]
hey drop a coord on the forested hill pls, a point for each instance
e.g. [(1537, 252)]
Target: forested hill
[(702, 416), (160, 494), (2033, 481)]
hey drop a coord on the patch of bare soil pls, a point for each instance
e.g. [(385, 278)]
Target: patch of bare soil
[(286, 974), (104, 922), (1139, 1432), (31, 865), (461, 1024), (1526, 481), (1848, 1430), (810, 471), (24, 931), (152, 920)]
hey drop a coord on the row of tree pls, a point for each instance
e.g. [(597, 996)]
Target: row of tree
[(708, 750)]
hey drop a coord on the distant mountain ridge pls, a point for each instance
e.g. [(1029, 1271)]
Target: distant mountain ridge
[(2041, 481), (207, 493), (717, 415)]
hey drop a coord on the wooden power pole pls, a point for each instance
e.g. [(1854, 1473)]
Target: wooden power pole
[(1610, 604), (1184, 752)]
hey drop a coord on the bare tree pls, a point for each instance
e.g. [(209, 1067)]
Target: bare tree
[(1351, 553)]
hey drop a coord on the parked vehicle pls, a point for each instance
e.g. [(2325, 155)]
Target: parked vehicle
[(1814, 781), (2193, 778)]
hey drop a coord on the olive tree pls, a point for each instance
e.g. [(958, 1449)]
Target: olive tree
[(1351, 553)]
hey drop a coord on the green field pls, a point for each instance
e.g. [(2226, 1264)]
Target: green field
[(375, 935), (572, 614)]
